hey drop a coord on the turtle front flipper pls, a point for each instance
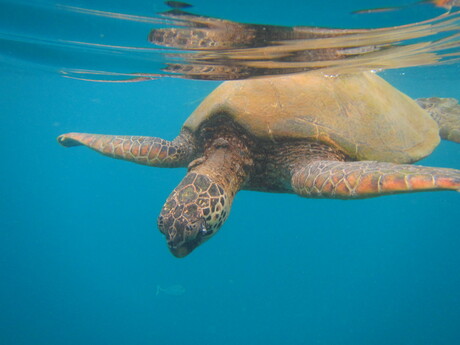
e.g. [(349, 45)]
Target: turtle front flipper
[(446, 112), (365, 179), (150, 151)]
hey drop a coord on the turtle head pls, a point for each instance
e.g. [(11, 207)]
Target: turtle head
[(193, 213)]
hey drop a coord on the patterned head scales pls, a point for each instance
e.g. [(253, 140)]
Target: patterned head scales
[(193, 213)]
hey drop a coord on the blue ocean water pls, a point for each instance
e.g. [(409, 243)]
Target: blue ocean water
[(81, 259)]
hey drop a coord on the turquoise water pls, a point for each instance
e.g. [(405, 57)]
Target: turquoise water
[(81, 260)]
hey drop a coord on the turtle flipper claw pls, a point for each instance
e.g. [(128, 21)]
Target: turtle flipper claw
[(69, 140)]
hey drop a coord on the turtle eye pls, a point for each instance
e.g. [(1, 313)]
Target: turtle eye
[(203, 231), (199, 228)]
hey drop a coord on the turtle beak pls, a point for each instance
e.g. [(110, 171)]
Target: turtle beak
[(182, 250)]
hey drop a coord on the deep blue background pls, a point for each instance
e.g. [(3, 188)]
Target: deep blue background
[(81, 258)]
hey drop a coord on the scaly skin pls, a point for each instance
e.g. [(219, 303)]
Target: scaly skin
[(194, 212), (150, 151), (350, 180), (200, 204)]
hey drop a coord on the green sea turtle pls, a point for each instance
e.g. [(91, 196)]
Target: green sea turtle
[(350, 136)]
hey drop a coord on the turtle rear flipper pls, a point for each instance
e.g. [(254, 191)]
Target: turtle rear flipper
[(446, 112), (150, 151)]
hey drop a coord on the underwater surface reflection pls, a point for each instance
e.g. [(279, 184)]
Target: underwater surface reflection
[(185, 45)]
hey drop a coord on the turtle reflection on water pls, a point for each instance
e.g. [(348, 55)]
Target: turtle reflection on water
[(348, 137), (219, 49), (446, 4)]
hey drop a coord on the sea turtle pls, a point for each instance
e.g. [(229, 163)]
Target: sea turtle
[(348, 136)]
